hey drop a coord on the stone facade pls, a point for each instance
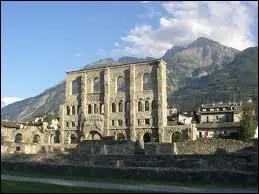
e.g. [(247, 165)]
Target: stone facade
[(126, 101)]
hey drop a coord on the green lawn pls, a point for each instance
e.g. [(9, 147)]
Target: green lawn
[(124, 181), (26, 187)]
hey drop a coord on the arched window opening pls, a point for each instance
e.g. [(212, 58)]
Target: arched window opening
[(120, 84), (121, 106), (96, 85), (73, 110), (68, 110), (75, 86), (147, 85), (154, 105), (18, 138), (147, 137), (140, 108), (146, 106), (56, 137), (127, 107), (78, 109), (101, 108), (121, 136), (73, 138), (73, 124), (89, 109), (94, 135), (113, 107), (95, 109), (36, 139)]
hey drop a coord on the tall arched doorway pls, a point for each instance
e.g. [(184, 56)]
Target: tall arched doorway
[(147, 137), (94, 135), (121, 136)]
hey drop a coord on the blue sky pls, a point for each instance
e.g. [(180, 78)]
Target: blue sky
[(43, 40)]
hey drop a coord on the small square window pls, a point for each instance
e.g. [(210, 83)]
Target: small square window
[(120, 122), (147, 121)]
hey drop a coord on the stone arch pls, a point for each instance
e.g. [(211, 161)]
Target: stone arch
[(94, 135), (147, 137), (121, 136), (96, 85), (147, 84), (18, 138), (73, 138), (121, 106), (36, 139)]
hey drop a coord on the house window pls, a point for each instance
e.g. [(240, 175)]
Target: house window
[(147, 85), (67, 124), (120, 122), (120, 84), (113, 122), (96, 85), (140, 108), (217, 117), (139, 123), (147, 121), (200, 134), (207, 119)]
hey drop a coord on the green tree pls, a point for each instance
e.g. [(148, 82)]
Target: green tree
[(248, 123), (177, 137)]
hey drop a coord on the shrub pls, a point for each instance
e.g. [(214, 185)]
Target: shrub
[(177, 137)]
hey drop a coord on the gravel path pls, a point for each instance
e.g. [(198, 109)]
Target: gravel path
[(125, 187)]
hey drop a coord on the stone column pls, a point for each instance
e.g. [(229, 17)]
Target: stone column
[(132, 104), (62, 123), (162, 99), (106, 100)]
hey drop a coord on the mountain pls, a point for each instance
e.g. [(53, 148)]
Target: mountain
[(201, 57), (237, 80), (185, 67)]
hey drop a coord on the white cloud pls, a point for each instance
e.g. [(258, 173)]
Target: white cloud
[(9, 100), (77, 54), (116, 44), (226, 22)]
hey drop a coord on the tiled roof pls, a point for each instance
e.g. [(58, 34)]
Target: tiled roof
[(218, 125)]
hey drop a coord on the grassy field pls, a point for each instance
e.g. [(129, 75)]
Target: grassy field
[(25, 187), (124, 181)]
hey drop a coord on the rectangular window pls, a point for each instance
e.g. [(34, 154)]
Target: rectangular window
[(120, 122), (113, 122), (67, 124), (139, 122), (147, 121), (217, 117)]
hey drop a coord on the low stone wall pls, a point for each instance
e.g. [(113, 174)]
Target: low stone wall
[(160, 148), (147, 173), (107, 147), (210, 146)]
